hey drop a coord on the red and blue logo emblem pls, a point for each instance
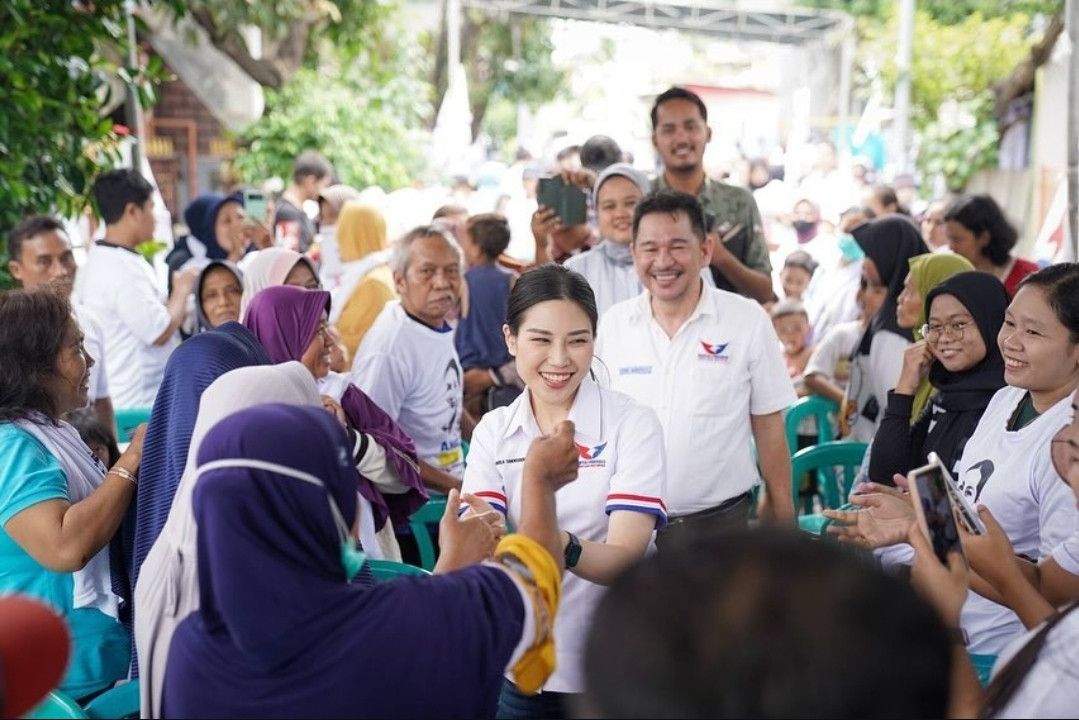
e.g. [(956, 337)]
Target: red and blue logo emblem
[(714, 351), (590, 455)]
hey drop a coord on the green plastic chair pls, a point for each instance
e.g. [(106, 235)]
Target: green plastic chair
[(983, 666), (57, 705), (384, 570), (431, 512), (127, 419), (823, 459), (121, 701), (815, 406)]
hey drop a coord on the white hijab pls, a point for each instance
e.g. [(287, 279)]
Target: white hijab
[(168, 586), (92, 586)]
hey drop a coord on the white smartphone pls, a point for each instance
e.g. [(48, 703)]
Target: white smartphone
[(968, 516), (934, 509)]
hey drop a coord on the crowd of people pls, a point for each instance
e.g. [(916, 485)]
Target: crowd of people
[(605, 422)]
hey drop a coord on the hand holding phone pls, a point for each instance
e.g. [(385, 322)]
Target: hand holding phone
[(255, 204), (567, 201), (933, 508), (968, 516)]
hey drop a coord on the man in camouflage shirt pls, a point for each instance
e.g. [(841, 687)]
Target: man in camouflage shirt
[(679, 133)]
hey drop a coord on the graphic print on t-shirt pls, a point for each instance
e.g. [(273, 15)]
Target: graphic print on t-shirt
[(452, 376), (974, 477)]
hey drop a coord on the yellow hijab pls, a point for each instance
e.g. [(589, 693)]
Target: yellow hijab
[(926, 272), (361, 230)]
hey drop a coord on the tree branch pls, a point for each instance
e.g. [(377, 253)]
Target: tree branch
[(263, 71), (1021, 79)]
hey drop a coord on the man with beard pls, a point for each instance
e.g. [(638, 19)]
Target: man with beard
[(679, 133)]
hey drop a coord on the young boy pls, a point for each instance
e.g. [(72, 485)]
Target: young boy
[(796, 273), (791, 322)]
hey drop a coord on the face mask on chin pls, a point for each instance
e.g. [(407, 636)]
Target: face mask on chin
[(805, 229)]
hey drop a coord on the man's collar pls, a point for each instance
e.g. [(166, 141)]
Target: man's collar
[(642, 309), (106, 243)]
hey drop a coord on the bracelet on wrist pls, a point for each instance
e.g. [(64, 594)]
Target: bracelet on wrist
[(126, 474)]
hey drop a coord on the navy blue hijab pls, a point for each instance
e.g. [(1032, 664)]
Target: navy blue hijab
[(201, 216), (281, 632), (890, 242), (191, 368)]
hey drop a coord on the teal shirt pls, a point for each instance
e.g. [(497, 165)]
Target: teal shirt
[(29, 474)]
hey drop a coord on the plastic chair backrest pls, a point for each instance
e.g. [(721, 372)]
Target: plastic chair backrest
[(127, 419), (822, 458), (384, 570), (815, 406), (431, 512), (57, 705), (121, 701)]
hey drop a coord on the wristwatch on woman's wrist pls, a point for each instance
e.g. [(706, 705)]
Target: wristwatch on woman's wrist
[(573, 550)]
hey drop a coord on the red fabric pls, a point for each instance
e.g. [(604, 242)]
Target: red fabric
[(1020, 270)]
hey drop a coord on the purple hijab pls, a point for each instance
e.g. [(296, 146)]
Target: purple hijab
[(280, 632), (285, 320)]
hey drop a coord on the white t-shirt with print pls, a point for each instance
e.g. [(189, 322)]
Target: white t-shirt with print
[(831, 357), (620, 469), (412, 372), (1067, 554), (119, 287), (723, 365), (1011, 473), (871, 377)]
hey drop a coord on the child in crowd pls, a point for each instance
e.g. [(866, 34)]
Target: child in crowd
[(797, 271), (96, 436), (792, 326)]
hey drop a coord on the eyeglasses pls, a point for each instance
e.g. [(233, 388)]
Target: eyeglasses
[(953, 330)]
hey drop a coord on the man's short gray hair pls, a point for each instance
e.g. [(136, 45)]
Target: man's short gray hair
[(401, 252)]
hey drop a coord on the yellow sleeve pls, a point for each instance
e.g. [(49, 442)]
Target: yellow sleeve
[(361, 309)]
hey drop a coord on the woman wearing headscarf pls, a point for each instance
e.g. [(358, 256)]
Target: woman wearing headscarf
[(888, 243), (282, 632), (964, 316), (218, 290), (276, 266), (219, 230), (291, 323), (366, 283), (168, 587), (190, 370), (926, 272)]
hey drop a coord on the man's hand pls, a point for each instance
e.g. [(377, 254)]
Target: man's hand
[(544, 222), (184, 282), (553, 457), (465, 540)]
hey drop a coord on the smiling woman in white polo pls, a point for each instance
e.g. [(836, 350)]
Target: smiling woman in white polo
[(609, 513)]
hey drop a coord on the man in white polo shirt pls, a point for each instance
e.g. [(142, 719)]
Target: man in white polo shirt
[(120, 288), (708, 362), (407, 362)]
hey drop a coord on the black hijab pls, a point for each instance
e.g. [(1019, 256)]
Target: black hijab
[(985, 298), (890, 242)]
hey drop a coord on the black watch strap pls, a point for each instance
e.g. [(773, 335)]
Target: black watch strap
[(573, 550)]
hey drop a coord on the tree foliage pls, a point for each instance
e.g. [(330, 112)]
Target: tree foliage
[(362, 112), (505, 62), (945, 12), (53, 139)]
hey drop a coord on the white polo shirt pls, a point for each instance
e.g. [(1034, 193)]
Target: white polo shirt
[(620, 469), (119, 287), (412, 371), (721, 366)]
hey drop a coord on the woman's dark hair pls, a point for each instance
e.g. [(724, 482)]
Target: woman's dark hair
[(32, 328), (981, 214), (1060, 283), (550, 282), (765, 623), (93, 431)]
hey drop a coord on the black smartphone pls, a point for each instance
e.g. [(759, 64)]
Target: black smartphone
[(569, 202), (933, 509)]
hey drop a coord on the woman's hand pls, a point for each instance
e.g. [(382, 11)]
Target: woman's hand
[(917, 359), (884, 520), (544, 222), (132, 455), (334, 408), (465, 540), (991, 555), (257, 234), (944, 587)]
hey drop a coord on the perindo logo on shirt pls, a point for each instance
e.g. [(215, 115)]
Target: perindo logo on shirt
[(590, 455), (713, 352)]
